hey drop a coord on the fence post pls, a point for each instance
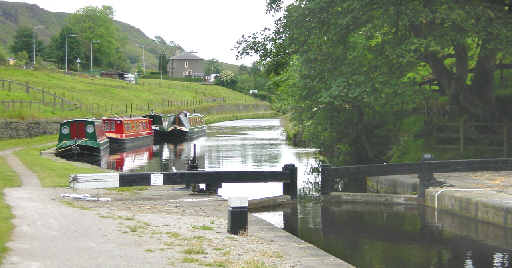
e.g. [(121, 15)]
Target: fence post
[(27, 88), (10, 86), (42, 96), (3, 84), (325, 181), (505, 139), (461, 135), (131, 108), (290, 188)]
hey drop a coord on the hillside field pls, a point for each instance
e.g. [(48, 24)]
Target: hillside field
[(62, 96)]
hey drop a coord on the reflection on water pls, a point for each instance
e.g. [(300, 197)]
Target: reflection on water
[(253, 144), (396, 236), (364, 235)]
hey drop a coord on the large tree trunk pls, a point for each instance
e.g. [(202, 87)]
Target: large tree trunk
[(476, 99), (482, 86)]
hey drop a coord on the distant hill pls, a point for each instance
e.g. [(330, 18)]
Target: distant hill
[(14, 15)]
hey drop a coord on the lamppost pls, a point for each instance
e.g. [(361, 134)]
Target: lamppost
[(69, 35), (143, 61), (95, 42), (34, 39)]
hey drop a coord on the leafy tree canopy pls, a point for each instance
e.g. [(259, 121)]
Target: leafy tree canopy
[(212, 66), (24, 41), (97, 24), (349, 70)]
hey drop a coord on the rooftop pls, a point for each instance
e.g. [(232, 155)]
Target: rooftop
[(186, 56)]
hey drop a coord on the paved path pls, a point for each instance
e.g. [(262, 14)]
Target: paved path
[(51, 234)]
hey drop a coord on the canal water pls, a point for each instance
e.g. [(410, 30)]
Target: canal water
[(361, 234)]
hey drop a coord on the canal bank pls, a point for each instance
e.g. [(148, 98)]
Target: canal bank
[(160, 227), (175, 219), (484, 196)]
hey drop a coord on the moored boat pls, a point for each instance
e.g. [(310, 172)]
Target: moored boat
[(82, 137), (187, 126), (160, 123), (177, 127), (130, 160), (128, 133)]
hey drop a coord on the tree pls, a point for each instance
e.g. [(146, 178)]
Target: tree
[(163, 61), (460, 43), (3, 56), (212, 66), (22, 58), (24, 41), (57, 48), (226, 79), (97, 24), (349, 70)]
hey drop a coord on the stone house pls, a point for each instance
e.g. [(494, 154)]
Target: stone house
[(186, 65)]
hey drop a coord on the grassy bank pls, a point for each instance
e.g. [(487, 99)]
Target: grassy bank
[(96, 97), (229, 117), (8, 178), (52, 172), (13, 143)]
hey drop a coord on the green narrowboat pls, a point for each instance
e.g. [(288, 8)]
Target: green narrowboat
[(82, 136)]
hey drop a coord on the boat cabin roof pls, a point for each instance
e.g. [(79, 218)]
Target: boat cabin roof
[(84, 119), (126, 118)]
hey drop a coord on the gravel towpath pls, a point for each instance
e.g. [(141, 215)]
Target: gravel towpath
[(158, 227)]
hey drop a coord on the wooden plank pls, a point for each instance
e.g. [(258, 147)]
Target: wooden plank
[(179, 178)]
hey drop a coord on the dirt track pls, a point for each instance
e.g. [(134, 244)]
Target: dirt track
[(160, 227)]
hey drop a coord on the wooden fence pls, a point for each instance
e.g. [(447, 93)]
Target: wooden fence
[(47, 98), (464, 135)]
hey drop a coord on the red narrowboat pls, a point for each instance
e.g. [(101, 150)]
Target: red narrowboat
[(128, 133), (131, 160)]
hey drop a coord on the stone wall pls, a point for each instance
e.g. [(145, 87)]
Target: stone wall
[(394, 184), (10, 129)]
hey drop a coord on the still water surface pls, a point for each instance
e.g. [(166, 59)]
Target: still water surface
[(363, 235)]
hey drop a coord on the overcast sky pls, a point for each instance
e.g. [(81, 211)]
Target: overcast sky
[(209, 27)]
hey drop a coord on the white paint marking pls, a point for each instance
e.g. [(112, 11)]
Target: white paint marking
[(157, 179)]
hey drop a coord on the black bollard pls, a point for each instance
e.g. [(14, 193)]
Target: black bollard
[(425, 175), (238, 215)]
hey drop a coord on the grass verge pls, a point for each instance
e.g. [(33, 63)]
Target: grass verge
[(8, 178), (104, 96), (211, 119), (13, 143), (51, 173)]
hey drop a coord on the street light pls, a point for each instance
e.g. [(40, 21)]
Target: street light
[(95, 42), (69, 35), (143, 61), (34, 39)]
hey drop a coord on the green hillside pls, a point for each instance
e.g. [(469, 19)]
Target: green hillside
[(14, 15), (56, 95)]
